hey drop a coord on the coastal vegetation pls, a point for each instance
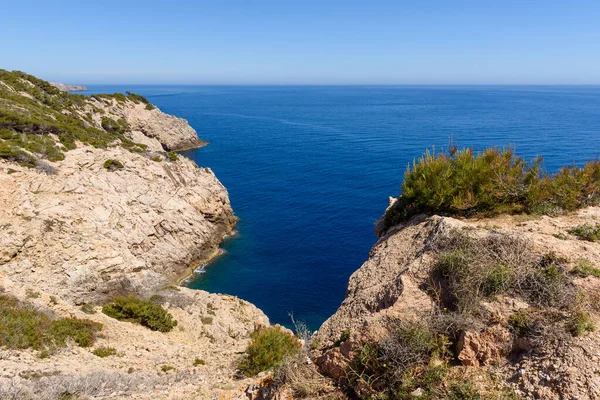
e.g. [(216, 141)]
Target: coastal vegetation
[(24, 326), (491, 182), (140, 311), (418, 354), (104, 351), (268, 348), (39, 121)]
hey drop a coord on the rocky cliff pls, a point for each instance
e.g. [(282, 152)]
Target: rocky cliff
[(94, 205), (403, 284)]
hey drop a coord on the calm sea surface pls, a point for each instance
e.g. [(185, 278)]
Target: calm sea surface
[(310, 169)]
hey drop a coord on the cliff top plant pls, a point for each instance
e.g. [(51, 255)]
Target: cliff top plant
[(23, 326), (140, 311), (491, 182), (267, 350)]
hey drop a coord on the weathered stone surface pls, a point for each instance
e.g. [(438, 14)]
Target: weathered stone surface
[(81, 233), (87, 233), (391, 283), (483, 348), (172, 133)]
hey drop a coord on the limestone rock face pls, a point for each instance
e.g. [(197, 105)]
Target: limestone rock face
[(87, 233), (172, 132), (392, 285)]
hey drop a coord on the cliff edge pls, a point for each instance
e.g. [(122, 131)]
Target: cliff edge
[(95, 205)]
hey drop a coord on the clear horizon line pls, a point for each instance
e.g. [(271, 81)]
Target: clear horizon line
[(325, 84)]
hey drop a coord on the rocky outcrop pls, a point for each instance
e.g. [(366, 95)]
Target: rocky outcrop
[(87, 233), (122, 218), (212, 331), (68, 88), (171, 133), (393, 285)]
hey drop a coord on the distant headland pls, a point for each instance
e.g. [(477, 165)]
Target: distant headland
[(68, 88)]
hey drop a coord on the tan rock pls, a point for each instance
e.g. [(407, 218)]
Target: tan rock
[(483, 348)]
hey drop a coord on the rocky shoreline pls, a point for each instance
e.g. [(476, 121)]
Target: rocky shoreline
[(108, 221)]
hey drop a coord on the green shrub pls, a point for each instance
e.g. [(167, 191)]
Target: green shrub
[(156, 158), (104, 351), (345, 335), (167, 368), (463, 391), (199, 361), (26, 123), (588, 232), (521, 322), (581, 323), (136, 98), (113, 165), (172, 156), (491, 182), (22, 326), (268, 348), (88, 308), (143, 312), (118, 127), (584, 268)]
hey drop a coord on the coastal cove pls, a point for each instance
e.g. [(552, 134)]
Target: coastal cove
[(309, 169)]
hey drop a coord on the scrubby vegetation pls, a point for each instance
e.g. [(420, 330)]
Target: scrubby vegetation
[(140, 311), (104, 351), (23, 326), (584, 268), (119, 127), (113, 165), (198, 362), (494, 181), (469, 270), (172, 156), (414, 356), (588, 232), (268, 348), (39, 121), (419, 352)]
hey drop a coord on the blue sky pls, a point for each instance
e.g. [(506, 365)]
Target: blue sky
[(304, 42)]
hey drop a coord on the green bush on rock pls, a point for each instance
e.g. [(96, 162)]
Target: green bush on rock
[(140, 311), (113, 165), (491, 182), (268, 348), (23, 326)]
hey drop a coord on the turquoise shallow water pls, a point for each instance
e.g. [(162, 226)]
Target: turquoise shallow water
[(310, 169)]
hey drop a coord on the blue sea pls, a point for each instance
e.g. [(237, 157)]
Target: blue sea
[(309, 168)]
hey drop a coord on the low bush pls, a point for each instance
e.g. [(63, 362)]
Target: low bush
[(469, 270), (581, 323), (22, 326), (172, 156), (167, 368), (267, 349), (588, 232), (140, 311), (584, 268), (199, 361), (104, 351), (136, 98), (113, 165), (494, 181), (118, 127)]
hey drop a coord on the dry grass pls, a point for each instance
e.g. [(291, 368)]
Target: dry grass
[(298, 372), (469, 270)]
